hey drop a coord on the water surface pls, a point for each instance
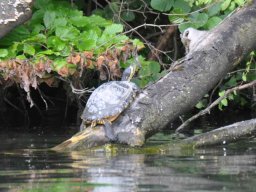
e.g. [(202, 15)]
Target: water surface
[(222, 168)]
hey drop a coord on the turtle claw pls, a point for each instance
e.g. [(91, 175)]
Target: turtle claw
[(109, 131)]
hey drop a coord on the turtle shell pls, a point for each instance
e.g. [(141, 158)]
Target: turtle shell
[(109, 100)]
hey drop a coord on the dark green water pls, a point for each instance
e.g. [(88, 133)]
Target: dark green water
[(223, 168)]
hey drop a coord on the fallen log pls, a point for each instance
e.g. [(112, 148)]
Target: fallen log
[(224, 135), (162, 102)]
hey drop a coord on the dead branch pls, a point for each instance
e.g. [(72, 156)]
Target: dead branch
[(224, 135), (216, 102)]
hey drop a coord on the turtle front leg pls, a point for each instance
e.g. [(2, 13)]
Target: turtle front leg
[(109, 130)]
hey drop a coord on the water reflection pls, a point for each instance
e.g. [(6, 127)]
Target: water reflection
[(228, 168)]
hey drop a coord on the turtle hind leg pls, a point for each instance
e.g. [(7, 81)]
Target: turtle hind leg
[(109, 131)]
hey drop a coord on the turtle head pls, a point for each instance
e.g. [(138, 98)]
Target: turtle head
[(129, 73)]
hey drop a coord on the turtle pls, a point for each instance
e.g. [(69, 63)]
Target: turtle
[(108, 101)]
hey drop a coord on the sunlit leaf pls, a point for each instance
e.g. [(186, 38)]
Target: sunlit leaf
[(224, 102), (80, 21), (56, 43), (137, 43), (87, 40), (222, 93), (200, 105), (225, 5), (3, 53), (232, 6), (113, 29), (244, 77), (67, 33), (240, 2), (21, 57), (29, 49)]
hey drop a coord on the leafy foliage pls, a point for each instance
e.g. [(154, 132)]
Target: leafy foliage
[(60, 39), (204, 14)]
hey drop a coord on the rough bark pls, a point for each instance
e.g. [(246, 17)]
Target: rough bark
[(223, 48), (13, 13), (162, 102)]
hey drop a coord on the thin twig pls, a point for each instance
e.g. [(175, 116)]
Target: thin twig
[(150, 25), (42, 97), (216, 102)]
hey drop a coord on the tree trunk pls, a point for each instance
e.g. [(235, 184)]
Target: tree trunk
[(13, 13), (223, 48), (162, 102)]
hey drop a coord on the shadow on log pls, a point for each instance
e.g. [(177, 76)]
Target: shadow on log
[(162, 102)]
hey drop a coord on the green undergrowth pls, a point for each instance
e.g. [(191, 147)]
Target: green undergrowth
[(59, 41)]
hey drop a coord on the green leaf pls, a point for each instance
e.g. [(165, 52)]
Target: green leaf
[(37, 18), (113, 29), (154, 67), (60, 22), (49, 18), (119, 39), (18, 34), (162, 5), (95, 19), (182, 5), (225, 5), (239, 2), (137, 43), (56, 43), (222, 93), (86, 41), (177, 16), (38, 38), (184, 26), (40, 4), (46, 52), (21, 57), (128, 15), (37, 29), (214, 9), (232, 6), (80, 21), (232, 82), (224, 102), (59, 63), (14, 49), (212, 22), (244, 77), (67, 33), (29, 49), (231, 96), (220, 106), (3, 53), (66, 51), (200, 105), (199, 19)]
